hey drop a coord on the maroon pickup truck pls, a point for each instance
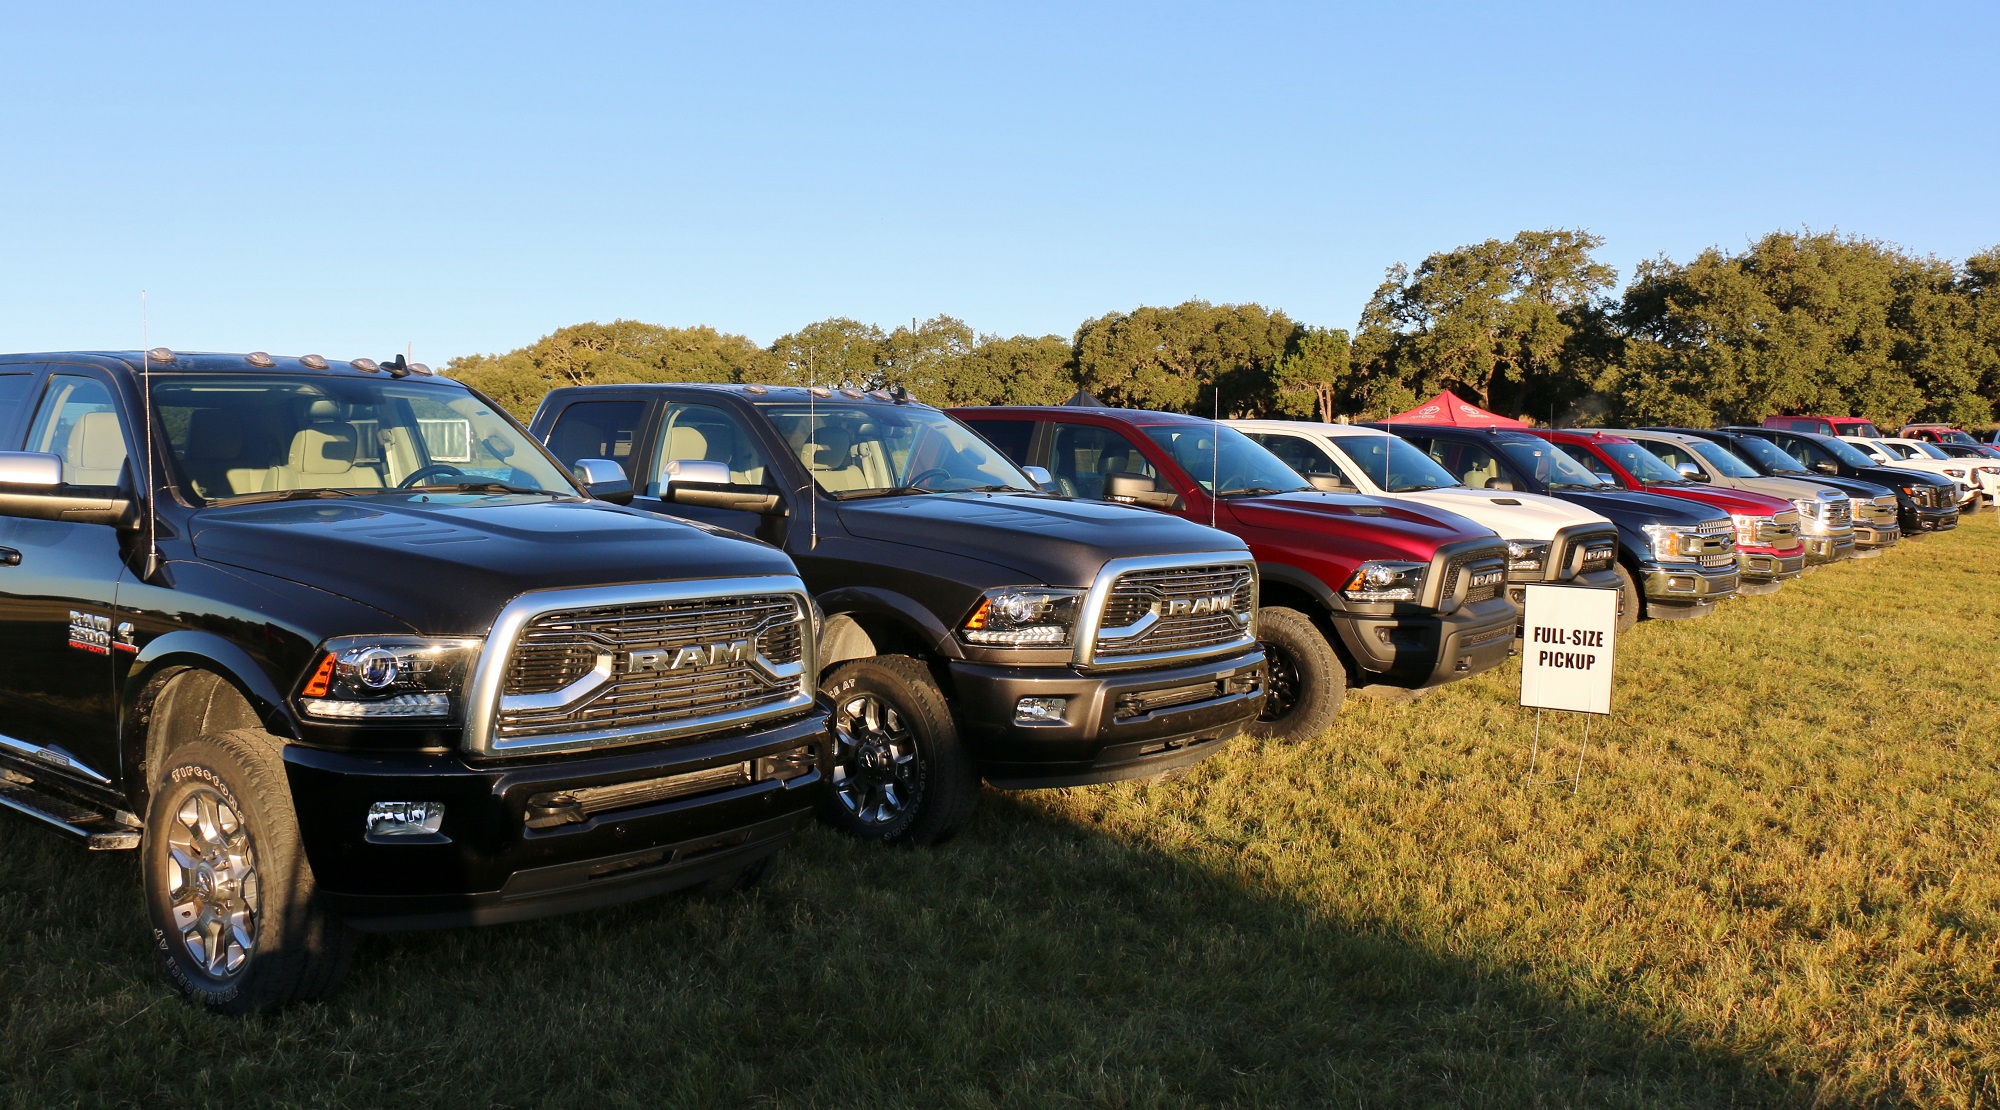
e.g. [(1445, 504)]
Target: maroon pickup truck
[(1355, 589)]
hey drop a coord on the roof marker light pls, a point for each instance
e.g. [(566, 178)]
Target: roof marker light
[(259, 358), (820, 391), (364, 364), (755, 390), (160, 354), (419, 368), (312, 362), (851, 392)]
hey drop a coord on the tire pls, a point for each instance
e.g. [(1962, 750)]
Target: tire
[(1307, 680), (222, 845), (1630, 600), (900, 775)]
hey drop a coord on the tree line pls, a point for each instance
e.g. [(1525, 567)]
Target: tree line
[(1534, 326)]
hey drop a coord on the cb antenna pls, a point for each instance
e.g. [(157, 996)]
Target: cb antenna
[(812, 446), (146, 417), (1214, 450)]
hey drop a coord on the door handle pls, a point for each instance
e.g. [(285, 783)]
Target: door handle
[(9, 557)]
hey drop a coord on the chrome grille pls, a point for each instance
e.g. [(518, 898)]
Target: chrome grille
[(1176, 611), (1881, 510), (1836, 514), (625, 664), (1779, 531)]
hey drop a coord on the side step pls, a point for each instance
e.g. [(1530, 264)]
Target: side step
[(100, 831)]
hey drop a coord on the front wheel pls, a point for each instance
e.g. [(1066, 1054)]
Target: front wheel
[(236, 918), (1628, 600), (900, 775), (1307, 682)]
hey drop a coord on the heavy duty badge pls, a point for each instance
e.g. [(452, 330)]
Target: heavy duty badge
[(90, 632)]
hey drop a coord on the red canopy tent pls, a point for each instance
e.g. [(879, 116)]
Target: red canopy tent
[(1447, 408)]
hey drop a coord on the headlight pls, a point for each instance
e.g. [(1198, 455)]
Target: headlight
[(1746, 527), (1385, 581), (1527, 554), (1023, 616), (1672, 543), (366, 678)]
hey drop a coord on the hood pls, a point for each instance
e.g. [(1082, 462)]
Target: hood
[(1891, 476), (447, 563), (1402, 529), (1516, 516), (1854, 488), (1629, 507), (1789, 489), (1049, 540), (1737, 502)]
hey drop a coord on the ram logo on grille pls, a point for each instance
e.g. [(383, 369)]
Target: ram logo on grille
[(692, 655), (1488, 577), (1194, 606)]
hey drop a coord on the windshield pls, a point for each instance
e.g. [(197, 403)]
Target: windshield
[(1773, 458), (1845, 452), (1393, 464), (1643, 464), (1729, 465), (856, 451), (1242, 469), (1547, 465), (1920, 449), (238, 437)]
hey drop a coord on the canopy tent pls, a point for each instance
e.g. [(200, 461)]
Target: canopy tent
[(1447, 408), (1083, 400)]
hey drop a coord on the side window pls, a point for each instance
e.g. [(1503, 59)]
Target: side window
[(1010, 436), (1084, 455), (78, 422), (1302, 455), (1803, 450), (1587, 459), (705, 433), (13, 402), (595, 430), (1468, 462), (1673, 454)]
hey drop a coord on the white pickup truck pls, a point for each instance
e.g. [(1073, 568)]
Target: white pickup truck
[(1915, 454), (1548, 540)]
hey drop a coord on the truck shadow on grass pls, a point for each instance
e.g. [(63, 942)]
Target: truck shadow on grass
[(1035, 961)]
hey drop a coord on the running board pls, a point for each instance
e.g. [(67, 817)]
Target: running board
[(99, 831)]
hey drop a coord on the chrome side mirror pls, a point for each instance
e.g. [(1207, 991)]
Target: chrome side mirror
[(1041, 477), (1687, 469), (603, 479), (31, 488), (30, 468)]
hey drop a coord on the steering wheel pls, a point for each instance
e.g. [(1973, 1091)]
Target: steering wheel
[(1229, 481), (918, 479), (434, 470)]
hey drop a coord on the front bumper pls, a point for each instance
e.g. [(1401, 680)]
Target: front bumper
[(1920, 520), (1828, 549), (1686, 590), (1517, 587), (1763, 570), (1118, 724), (1423, 651), (487, 866), (1875, 538)]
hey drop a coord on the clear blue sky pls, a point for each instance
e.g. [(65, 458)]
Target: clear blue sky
[(348, 178)]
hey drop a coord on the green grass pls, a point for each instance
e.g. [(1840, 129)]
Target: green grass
[(1779, 884)]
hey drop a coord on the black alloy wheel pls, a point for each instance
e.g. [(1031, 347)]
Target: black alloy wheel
[(1306, 680), (900, 774)]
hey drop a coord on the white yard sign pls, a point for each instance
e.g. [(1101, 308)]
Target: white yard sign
[(1567, 634)]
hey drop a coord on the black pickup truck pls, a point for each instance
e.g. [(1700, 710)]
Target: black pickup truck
[(337, 646), (975, 626)]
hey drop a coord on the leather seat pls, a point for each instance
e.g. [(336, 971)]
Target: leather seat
[(830, 458), (217, 461), (94, 454), (322, 456)]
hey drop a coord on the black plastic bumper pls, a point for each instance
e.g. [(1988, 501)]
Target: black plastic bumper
[(1916, 522), (1420, 652), (487, 866), (1118, 724)]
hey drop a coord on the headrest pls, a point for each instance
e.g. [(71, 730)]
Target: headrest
[(320, 451), (322, 411), (96, 443), (214, 435), (686, 443), (835, 444), (1112, 461)]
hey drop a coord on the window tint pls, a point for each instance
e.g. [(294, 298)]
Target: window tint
[(1084, 455), (597, 430), (78, 422), (705, 433), (13, 402), (1297, 452), (1011, 436)]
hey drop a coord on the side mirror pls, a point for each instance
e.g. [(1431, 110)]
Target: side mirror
[(1331, 483), (1500, 483), (31, 487), (1137, 489), (707, 484), (604, 480), (1827, 466), (1687, 469), (1041, 477)]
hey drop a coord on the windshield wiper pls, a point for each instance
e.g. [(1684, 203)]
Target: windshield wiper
[(286, 495), (1260, 491), (483, 485), (1414, 489), (886, 491)]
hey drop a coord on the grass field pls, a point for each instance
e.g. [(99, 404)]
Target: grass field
[(1779, 884)]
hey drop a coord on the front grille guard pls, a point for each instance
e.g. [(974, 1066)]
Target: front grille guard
[(1090, 623), (482, 695)]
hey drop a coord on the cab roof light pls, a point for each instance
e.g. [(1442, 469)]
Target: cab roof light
[(313, 362), (160, 354), (260, 360), (366, 365)]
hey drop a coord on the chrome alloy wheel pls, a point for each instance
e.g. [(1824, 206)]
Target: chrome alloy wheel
[(875, 770), (212, 883), (1281, 689)]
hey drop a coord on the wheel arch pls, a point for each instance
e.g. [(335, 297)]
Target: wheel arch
[(863, 621), (188, 684)]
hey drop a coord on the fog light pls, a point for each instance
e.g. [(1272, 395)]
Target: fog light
[(404, 820), (1040, 711)]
